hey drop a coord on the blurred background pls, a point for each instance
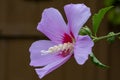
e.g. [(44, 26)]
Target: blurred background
[(18, 21)]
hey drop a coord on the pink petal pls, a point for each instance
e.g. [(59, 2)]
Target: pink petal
[(52, 25), (35, 53), (77, 15), (82, 49), (50, 67)]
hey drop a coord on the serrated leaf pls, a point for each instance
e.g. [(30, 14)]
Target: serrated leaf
[(97, 18), (97, 62)]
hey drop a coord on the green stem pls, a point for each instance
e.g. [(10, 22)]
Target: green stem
[(104, 37)]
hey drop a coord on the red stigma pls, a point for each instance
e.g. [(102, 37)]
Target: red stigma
[(67, 38)]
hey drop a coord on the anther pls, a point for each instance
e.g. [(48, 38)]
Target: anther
[(58, 48)]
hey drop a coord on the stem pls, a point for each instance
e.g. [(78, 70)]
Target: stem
[(104, 37)]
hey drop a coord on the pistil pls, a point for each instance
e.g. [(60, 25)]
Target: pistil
[(58, 48)]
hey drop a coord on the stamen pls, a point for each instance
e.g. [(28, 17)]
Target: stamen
[(58, 48)]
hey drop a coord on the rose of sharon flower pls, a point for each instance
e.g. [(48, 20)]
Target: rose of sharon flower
[(64, 39)]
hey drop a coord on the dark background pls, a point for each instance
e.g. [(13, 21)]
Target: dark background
[(18, 21)]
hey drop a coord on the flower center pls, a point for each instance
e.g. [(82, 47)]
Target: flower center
[(63, 49)]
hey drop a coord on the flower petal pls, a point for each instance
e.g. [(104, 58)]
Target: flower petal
[(82, 49), (35, 53), (84, 41), (50, 67), (77, 15), (52, 25)]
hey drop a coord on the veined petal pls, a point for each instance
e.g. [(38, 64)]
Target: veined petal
[(35, 53), (77, 15), (52, 25), (82, 49), (50, 67)]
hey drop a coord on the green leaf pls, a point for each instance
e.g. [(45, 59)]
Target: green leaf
[(97, 62), (108, 2), (97, 18)]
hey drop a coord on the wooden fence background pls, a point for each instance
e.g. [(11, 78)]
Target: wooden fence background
[(18, 21)]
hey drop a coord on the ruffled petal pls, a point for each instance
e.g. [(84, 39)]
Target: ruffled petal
[(50, 67), (77, 15), (35, 53), (82, 49), (53, 25)]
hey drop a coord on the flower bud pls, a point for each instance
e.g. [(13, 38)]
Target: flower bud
[(118, 37), (85, 31), (112, 38)]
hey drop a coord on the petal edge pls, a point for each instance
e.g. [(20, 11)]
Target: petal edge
[(52, 25), (77, 15), (50, 67)]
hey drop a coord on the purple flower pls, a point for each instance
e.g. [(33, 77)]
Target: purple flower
[(48, 55)]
